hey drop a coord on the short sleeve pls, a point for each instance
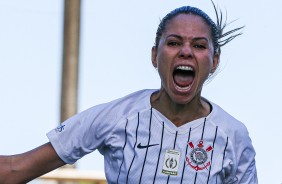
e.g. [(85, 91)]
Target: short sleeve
[(246, 172), (246, 169), (82, 133)]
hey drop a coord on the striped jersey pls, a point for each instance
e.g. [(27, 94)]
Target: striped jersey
[(140, 145)]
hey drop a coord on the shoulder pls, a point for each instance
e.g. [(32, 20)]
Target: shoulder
[(240, 146), (234, 128), (238, 136), (108, 114), (111, 112)]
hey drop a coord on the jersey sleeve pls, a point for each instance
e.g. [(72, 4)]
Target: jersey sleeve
[(82, 133), (245, 172), (92, 128)]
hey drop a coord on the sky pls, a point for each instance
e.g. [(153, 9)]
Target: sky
[(115, 60)]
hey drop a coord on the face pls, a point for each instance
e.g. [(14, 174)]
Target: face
[(184, 57)]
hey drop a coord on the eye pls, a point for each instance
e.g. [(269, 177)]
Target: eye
[(173, 43), (199, 46)]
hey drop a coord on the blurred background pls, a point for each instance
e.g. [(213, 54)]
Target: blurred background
[(115, 59)]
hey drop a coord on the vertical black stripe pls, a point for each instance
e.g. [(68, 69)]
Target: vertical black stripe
[(195, 179), (173, 148), (212, 154), (159, 154), (184, 165), (203, 131), (224, 152), (147, 147), (175, 139), (136, 135), (125, 141)]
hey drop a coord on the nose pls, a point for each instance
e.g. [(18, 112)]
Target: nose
[(186, 51)]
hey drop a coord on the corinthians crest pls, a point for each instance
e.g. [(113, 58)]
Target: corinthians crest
[(198, 158)]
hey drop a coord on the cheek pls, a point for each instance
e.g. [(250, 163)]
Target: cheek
[(206, 67), (163, 67), (161, 59), (162, 70)]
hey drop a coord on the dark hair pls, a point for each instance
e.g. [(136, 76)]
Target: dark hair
[(219, 38)]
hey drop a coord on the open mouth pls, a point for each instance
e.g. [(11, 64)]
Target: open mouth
[(183, 76)]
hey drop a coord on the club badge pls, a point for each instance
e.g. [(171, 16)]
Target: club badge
[(198, 158)]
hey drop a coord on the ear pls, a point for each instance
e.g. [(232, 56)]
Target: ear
[(216, 59), (154, 57)]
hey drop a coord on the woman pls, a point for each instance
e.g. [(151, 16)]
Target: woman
[(170, 135)]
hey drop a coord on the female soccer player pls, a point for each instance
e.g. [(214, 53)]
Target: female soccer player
[(166, 135)]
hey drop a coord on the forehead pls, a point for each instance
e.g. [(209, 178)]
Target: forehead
[(188, 24)]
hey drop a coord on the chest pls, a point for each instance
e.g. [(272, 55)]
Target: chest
[(146, 150)]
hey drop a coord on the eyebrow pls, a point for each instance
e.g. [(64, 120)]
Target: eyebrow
[(175, 35), (193, 39)]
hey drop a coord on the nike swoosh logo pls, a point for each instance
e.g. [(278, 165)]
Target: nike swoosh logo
[(139, 146)]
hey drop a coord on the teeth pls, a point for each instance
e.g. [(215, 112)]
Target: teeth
[(183, 88), (186, 68)]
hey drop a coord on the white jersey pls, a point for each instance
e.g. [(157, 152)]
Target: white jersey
[(140, 145)]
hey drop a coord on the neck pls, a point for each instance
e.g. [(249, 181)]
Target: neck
[(180, 114)]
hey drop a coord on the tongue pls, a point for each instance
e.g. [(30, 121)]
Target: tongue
[(183, 80)]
